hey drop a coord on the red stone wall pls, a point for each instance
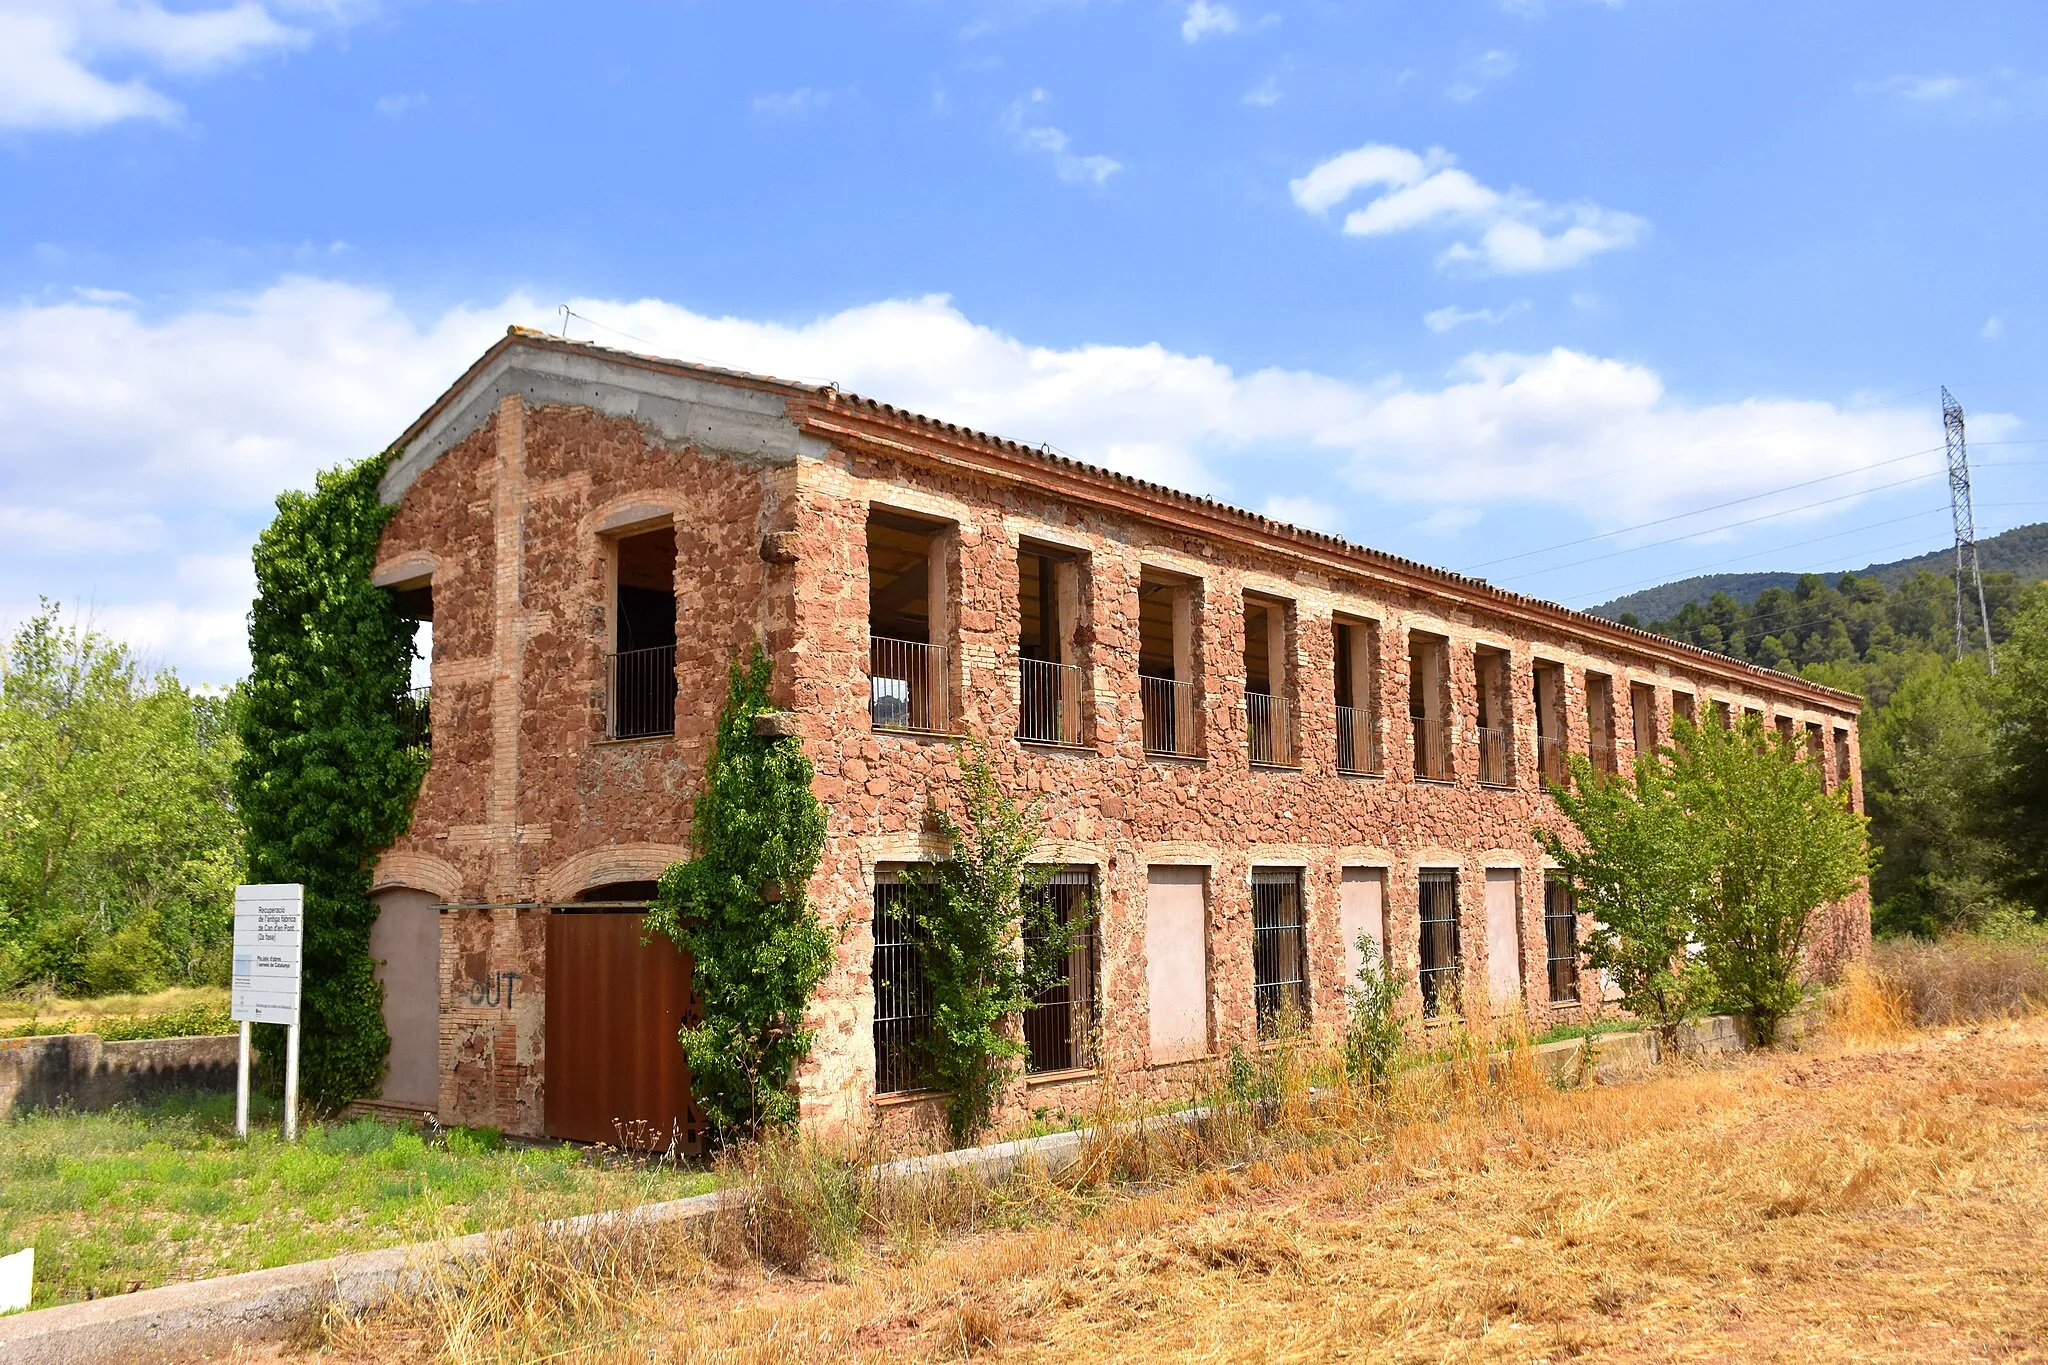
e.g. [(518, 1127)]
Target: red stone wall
[(526, 801)]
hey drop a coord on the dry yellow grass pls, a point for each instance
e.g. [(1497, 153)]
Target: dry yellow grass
[(1878, 1200)]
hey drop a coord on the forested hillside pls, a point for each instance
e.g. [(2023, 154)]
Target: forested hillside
[(2021, 552), (1953, 757)]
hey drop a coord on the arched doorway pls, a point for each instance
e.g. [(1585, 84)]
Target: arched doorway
[(615, 1072)]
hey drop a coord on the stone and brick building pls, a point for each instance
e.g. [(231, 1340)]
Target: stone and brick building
[(1252, 742)]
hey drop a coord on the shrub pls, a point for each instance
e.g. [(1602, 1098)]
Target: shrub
[(989, 942), (740, 909), (1375, 1031)]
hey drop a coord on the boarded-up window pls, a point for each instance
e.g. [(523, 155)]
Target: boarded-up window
[(1560, 940), (1362, 913), (1438, 896), (1279, 948), (1503, 936), (1177, 961), (903, 998), (1059, 1027)]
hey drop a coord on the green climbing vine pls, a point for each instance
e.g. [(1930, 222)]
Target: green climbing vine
[(329, 765), (739, 908)]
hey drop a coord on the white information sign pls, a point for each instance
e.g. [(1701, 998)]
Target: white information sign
[(269, 928)]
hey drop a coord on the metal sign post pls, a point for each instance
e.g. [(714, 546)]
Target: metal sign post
[(270, 926)]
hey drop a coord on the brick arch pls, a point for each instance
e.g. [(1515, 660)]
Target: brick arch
[(611, 863), (630, 509), (419, 872), (406, 568)]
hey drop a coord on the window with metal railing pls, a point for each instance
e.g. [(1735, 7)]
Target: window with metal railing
[(1493, 755), (416, 716), (907, 686), (1550, 758), (903, 998), (640, 693), (1269, 730), (1048, 702), (1358, 744), (1279, 949), (1441, 961), (1561, 940), (1169, 709), (1060, 1023)]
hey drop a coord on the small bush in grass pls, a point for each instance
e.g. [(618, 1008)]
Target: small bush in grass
[(1375, 1031)]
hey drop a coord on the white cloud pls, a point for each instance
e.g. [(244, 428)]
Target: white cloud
[(1919, 88), (1993, 329), (140, 455), (1992, 94), (1265, 94), (1518, 233), (1474, 76), (1204, 18), (1445, 319), (788, 104), (1054, 142), (1313, 513), (55, 55)]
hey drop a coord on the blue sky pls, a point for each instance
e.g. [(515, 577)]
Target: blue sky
[(1464, 281)]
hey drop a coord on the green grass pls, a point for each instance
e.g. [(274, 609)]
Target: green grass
[(1565, 1032), (132, 1198), (181, 1012)]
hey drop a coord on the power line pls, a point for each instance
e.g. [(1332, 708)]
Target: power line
[(1716, 507), (1725, 526), (1773, 550)]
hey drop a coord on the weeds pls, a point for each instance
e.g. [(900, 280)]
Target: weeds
[(1964, 979)]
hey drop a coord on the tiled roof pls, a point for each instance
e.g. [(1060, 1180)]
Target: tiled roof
[(835, 398)]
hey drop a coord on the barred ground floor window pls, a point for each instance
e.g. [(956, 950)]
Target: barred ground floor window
[(1561, 939), (903, 998), (1060, 1025), (1279, 948), (1438, 897)]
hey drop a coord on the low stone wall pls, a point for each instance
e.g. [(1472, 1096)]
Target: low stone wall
[(85, 1072)]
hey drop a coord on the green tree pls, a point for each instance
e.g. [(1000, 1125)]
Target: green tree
[(1634, 870), (739, 907), (119, 846), (1928, 769), (329, 766), (989, 942), (1774, 846), (2019, 789)]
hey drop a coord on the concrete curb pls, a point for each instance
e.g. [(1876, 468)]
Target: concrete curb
[(268, 1305)]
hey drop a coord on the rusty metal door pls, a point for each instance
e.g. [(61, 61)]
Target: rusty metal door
[(615, 1072)]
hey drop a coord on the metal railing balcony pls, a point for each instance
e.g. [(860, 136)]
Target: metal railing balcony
[(640, 693), (1493, 754), (1358, 744), (1169, 709), (417, 718), (1550, 758), (1603, 756), (1048, 702), (907, 686), (1269, 729), (1432, 749)]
